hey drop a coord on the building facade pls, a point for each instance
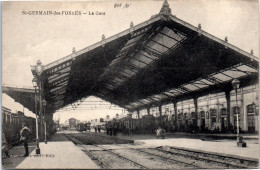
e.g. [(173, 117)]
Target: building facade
[(210, 112)]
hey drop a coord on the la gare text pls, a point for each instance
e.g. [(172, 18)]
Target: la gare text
[(63, 13)]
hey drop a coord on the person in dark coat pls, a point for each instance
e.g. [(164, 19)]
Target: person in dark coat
[(99, 128), (25, 136), (5, 147)]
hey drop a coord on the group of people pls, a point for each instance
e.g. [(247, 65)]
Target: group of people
[(97, 128), (112, 128), (25, 135)]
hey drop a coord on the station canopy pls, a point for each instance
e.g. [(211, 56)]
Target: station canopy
[(161, 59)]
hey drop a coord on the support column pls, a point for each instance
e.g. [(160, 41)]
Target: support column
[(209, 113), (176, 114), (41, 110), (160, 109), (195, 100), (138, 114), (229, 111), (243, 114), (257, 107), (218, 116), (160, 112), (148, 111)]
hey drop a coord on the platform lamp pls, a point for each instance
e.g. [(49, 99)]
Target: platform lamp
[(35, 85), (44, 103), (235, 84)]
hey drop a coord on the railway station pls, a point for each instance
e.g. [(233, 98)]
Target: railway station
[(198, 91)]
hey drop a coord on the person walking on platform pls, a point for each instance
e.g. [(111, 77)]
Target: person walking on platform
[(160, 132), (99, 129), (25, 136), (5, 147)]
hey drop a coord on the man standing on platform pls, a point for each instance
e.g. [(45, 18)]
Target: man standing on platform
[(25, 135)]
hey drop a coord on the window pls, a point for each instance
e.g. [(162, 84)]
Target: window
[(202, 114), (236, 110), (250, 108), (223, 111), (213, 112)]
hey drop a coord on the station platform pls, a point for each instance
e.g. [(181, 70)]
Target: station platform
[(58, 155), (223, 146)]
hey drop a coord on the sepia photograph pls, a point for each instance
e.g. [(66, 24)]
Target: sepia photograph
[(127, 84)]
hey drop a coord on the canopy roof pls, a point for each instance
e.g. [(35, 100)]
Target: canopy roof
[(25, 95), (161, 59)]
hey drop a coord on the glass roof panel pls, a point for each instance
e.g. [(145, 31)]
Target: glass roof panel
[(191, 87), (128, 71), (206, 81), (200, 84), (144, 58), (145, 100), (157, 47), (127, 47), (148, 55), (115, 61), (118, 79), (170, 94), (164, 40), (137, 63), (222, 77), (134, 40), (136, 103), (125, 74), (246, 68), (172, 34), (234, 74), (156, 99), (174, 91)]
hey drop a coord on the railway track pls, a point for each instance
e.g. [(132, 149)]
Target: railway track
[(130, 163), (227, 161), (168, 157), (134, 160)]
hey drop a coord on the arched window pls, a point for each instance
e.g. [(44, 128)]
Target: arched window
[(236, 110), (250, 108), (185, 116), (223, 111), (202, 114), (213, 112), (193, 115)]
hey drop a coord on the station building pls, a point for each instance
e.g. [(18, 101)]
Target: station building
[(212, 112)]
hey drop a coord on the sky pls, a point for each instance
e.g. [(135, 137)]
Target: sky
[(28, 38)]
